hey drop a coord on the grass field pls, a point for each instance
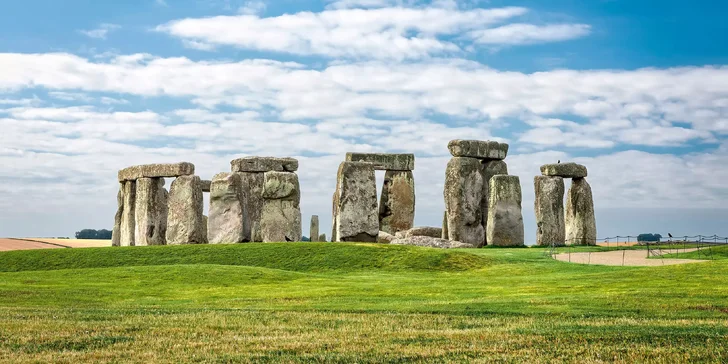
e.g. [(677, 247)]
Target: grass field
[(319, 302)]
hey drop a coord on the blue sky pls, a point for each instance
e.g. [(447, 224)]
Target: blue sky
[(636, 90)]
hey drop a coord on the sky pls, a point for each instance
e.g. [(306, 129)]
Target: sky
[(635, 90)]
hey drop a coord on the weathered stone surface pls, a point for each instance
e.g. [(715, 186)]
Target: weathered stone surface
[(225, 222), (205, 225), (185, 221), (490, 169), (252, 202), (400, 234), (264, 164), (433, 232), (445, 234), (334, 212), (281, 186), (581, 224), (255, 232), (156, 170), (151, 212), (280, 221), (549, 208), (206, 185), (481, 149), (322, 238), (505, 219), (431, 242), (566, 170), (464, 186), (357, 218), (385, 237), (128, 223), (314, 230), (384, 161), (397, 203), (116, 232)]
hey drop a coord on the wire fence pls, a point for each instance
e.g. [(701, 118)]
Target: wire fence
[(701, 244)]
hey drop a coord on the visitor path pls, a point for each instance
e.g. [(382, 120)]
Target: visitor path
[(625, 257)]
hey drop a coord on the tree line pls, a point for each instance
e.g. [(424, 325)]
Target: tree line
[(102, 234)]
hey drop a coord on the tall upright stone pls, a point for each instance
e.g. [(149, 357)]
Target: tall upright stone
[(151, 212), (445, 233), (185, 219), (490, 168), (280, 220), (128, 217), (252, 184), (322, 237), (334, 212), (581, 225), (116, 232), (464, 186), (225, 223), (397, 204), (505, 218), (356, 203), (549, 208), (314, 231)]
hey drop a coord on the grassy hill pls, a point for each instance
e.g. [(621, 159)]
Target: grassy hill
[(326, 302)]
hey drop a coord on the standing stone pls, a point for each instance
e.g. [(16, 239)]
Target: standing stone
[(314, 232), (356, 203), (128, 225), (151, 212), (252, 183), (397, 204), (116, 232), (464, 186), (490, 169), (334, 213), (322, 238), (206, 226), (505, 219), (549, 208), (581, 225), (255, 232), (280, 220), (185, 219), (445, 234), (225, 221)]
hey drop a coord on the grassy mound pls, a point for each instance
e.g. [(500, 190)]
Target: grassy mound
[(301, 257)]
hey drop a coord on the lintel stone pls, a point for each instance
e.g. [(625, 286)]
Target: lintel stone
[(481, 149), (168, 170), (385, 161), (264, 164), (564, 170)]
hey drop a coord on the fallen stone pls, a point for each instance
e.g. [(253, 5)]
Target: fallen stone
[(565, 170), (505, 219), (397, 203), (464, 186), (433, 232), (264, 164), (281, 186), (385, 238), (116, 232), (280, 221), (384, 161), (185, 218), (490, 169), (128, 224), (445, 234), (356, 212), (314, 230), (481, 149), (151, 212), (156, 170), (206, 185), (400, 234), (549, 208), (252, 202), (581, 225), (225, 221), (428, 241)]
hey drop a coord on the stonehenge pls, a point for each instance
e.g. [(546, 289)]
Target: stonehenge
[(225, 219), (505, 219), (185, 217), (280, 219), (556, 227), (150, 212), (314, 230)]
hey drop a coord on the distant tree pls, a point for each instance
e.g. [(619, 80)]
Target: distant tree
[(305, 238), (102, 234), (649, 238)]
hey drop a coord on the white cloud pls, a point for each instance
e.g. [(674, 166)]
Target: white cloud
[(101, 32), (379, 32), (254, 7)]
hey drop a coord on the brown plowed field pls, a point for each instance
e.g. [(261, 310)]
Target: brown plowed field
[(14, 244), (7, 244)]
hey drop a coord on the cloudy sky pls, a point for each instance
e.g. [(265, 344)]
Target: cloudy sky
[(635, 90)]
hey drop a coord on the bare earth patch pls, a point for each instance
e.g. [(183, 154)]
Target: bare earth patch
[(624, 257), (15, 244), (7, 244)]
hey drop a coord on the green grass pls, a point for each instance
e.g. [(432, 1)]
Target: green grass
[(323, 302), (706, 252)]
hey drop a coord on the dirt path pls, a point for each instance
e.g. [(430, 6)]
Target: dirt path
[(630, 258), (16, 244)]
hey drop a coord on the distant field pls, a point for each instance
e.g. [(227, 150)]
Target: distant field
[(9, 244), (341, 303), (16, 244), (76, 243)]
